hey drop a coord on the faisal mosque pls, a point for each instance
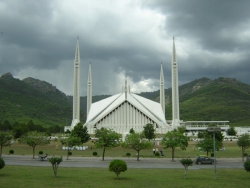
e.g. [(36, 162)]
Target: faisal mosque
[(126, 110)]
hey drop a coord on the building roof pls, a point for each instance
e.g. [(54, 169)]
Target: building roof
[(150, 108)]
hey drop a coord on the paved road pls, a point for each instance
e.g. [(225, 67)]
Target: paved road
[(96, 162)]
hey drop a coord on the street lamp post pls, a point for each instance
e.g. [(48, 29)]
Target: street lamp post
[(214, 129)]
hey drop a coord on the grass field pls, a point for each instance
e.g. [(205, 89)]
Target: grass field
[(55, 148), (39, 177)]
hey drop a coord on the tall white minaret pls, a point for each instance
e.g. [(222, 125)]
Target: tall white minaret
[(162, 91), (175, 90), (76, 96), (89, 91)]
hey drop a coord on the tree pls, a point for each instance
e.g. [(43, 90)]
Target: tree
[(244, 143), (81, 132), (33, 139), (55, 161), (106, 139), (137, 142), (174, 139), (2, 163), (70, 142), (149, 131), (5, 140), (247, 166), (19, 130), (5, 126), (181, 129), (206, 143), (186, 163), (117, 166), (231, 131), (131, 131)]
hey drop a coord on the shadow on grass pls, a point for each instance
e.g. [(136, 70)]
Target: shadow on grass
[(4, 175), (122, 178)]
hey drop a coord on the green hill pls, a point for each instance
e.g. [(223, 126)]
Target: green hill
[(221, 99), (200, 100), (21, 101)]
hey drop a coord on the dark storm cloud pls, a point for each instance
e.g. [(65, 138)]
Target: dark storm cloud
[(218, 27), (124, 39)]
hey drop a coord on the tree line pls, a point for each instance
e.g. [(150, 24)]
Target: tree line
[(18, 129)]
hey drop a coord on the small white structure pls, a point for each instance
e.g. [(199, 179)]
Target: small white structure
[(242, 130)]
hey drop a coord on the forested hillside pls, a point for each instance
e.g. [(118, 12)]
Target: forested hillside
[(32, 99), (200, 100), (222, 99)]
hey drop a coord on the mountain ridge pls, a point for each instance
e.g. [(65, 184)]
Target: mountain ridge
[(201, 99)]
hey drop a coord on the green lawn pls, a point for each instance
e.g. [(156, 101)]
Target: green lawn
[(39, 177), (55, 148)]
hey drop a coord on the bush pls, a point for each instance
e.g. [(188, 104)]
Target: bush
[(94, 153), (186, 163), (157, 154), (40, 152), (247, 166), (128, 154), (69, 153), (212, 154), (55, 161), (2, 163), (117, 166), (245, 154), (11, 151)]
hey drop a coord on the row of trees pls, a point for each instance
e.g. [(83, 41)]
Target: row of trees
[(108, 139), (33, 138), (139, 141), (19, 129)]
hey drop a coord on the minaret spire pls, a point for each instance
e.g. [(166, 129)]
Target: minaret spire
[(126, 89), (89, 90), (76, 91), (175, 90), (162, 91)]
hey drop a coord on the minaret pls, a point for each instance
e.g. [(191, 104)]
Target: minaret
[(76, 96), (89, 91), (175, 90), (162, 91)]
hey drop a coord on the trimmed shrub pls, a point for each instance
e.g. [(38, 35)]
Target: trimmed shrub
[(40, 152), (11, 151), (212, 154), (157, 154), (117, 166), (128, 154), (94, 153), (245, 154), (2, 163), (55, 161), (186, 163), (247, 166), (69, 153)]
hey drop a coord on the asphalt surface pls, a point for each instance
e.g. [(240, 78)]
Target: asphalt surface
[(96, 162)]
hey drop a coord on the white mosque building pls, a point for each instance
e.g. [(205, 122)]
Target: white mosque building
[(126, 110)]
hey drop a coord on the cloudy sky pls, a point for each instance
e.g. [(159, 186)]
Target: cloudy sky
[(124, 39)]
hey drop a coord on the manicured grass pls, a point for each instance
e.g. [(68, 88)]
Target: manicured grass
[(39, 177), (55, 148)]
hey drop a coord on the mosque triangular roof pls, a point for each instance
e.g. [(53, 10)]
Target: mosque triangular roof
[(150, 108)]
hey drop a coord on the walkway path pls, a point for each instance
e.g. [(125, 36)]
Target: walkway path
[(96, 162)]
